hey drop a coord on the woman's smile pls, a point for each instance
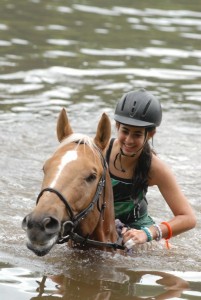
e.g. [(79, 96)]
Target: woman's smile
[(128, 149)]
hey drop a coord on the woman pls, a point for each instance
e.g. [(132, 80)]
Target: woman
[(134, 167)]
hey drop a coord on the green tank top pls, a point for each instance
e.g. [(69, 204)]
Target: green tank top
[(131, 212)]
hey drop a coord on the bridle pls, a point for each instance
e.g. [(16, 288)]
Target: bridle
[(67, 230)]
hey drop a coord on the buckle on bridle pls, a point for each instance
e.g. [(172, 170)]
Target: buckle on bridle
[(67, 228), (66, 232)]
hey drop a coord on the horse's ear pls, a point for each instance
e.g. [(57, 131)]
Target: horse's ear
[(103, 132), (63, 127)]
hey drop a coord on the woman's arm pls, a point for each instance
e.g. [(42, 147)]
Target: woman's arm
[(184, 217)]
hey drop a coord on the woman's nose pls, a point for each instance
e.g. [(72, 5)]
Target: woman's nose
[(129, 138)]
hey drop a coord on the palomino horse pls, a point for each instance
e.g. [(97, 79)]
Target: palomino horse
[(76, 200)]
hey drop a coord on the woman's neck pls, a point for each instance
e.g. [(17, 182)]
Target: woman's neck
[(121, 165)]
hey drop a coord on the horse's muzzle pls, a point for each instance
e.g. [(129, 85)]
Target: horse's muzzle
[(42, 233)]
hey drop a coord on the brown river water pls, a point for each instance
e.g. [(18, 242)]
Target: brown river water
[(83, 55)]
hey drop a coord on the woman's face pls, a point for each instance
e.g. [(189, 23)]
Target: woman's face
[(131, 138)]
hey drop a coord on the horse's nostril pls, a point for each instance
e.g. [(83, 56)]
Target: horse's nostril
[(51, 225)]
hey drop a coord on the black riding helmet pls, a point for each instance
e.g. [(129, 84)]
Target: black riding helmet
[(138, 108)]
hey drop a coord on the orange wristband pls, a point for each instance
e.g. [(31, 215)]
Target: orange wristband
[(169, 230)]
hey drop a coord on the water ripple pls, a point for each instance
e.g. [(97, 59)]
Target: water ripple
[(61, 42), (57, 53), (55, 74), (146, 52), (173, 21), (96, 10)]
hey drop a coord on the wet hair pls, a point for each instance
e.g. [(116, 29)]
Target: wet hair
[(141, 173)]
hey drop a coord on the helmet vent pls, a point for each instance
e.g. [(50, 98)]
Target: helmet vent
[(133, 108), (123, 104), (146, 108), (132, 112)]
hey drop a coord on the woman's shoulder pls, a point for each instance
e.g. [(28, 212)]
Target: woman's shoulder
[(157, 161), (159, 170), (111, 142), (110, 145), (111, 148)]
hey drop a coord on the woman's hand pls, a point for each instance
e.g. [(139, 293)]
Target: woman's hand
[(137, 236)]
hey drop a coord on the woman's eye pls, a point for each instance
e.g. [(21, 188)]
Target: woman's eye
[(91, 178), (137, 135), (125, 132)]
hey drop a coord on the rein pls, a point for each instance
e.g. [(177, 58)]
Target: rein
[(69, 226)]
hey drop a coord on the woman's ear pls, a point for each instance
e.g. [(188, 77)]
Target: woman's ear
[(151, 133), (117, 125)]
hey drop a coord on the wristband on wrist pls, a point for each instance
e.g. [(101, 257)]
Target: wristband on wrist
[(148, 233), (169, 230), (158, 232), (169, 233)]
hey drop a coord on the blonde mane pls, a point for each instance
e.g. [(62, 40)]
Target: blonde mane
[(80, 139)]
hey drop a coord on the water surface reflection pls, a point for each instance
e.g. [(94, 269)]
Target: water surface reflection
[(102, 283)]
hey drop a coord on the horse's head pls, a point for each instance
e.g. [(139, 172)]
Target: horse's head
[(73, 194)]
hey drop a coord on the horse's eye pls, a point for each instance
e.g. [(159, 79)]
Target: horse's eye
[(91, 177)]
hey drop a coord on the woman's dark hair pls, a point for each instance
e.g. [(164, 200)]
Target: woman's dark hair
[(141, 173)]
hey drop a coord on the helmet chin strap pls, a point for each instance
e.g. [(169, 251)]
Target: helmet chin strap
[(115, 160), (121, 153)]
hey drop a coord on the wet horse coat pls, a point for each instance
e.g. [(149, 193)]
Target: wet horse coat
[(76, 200)]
